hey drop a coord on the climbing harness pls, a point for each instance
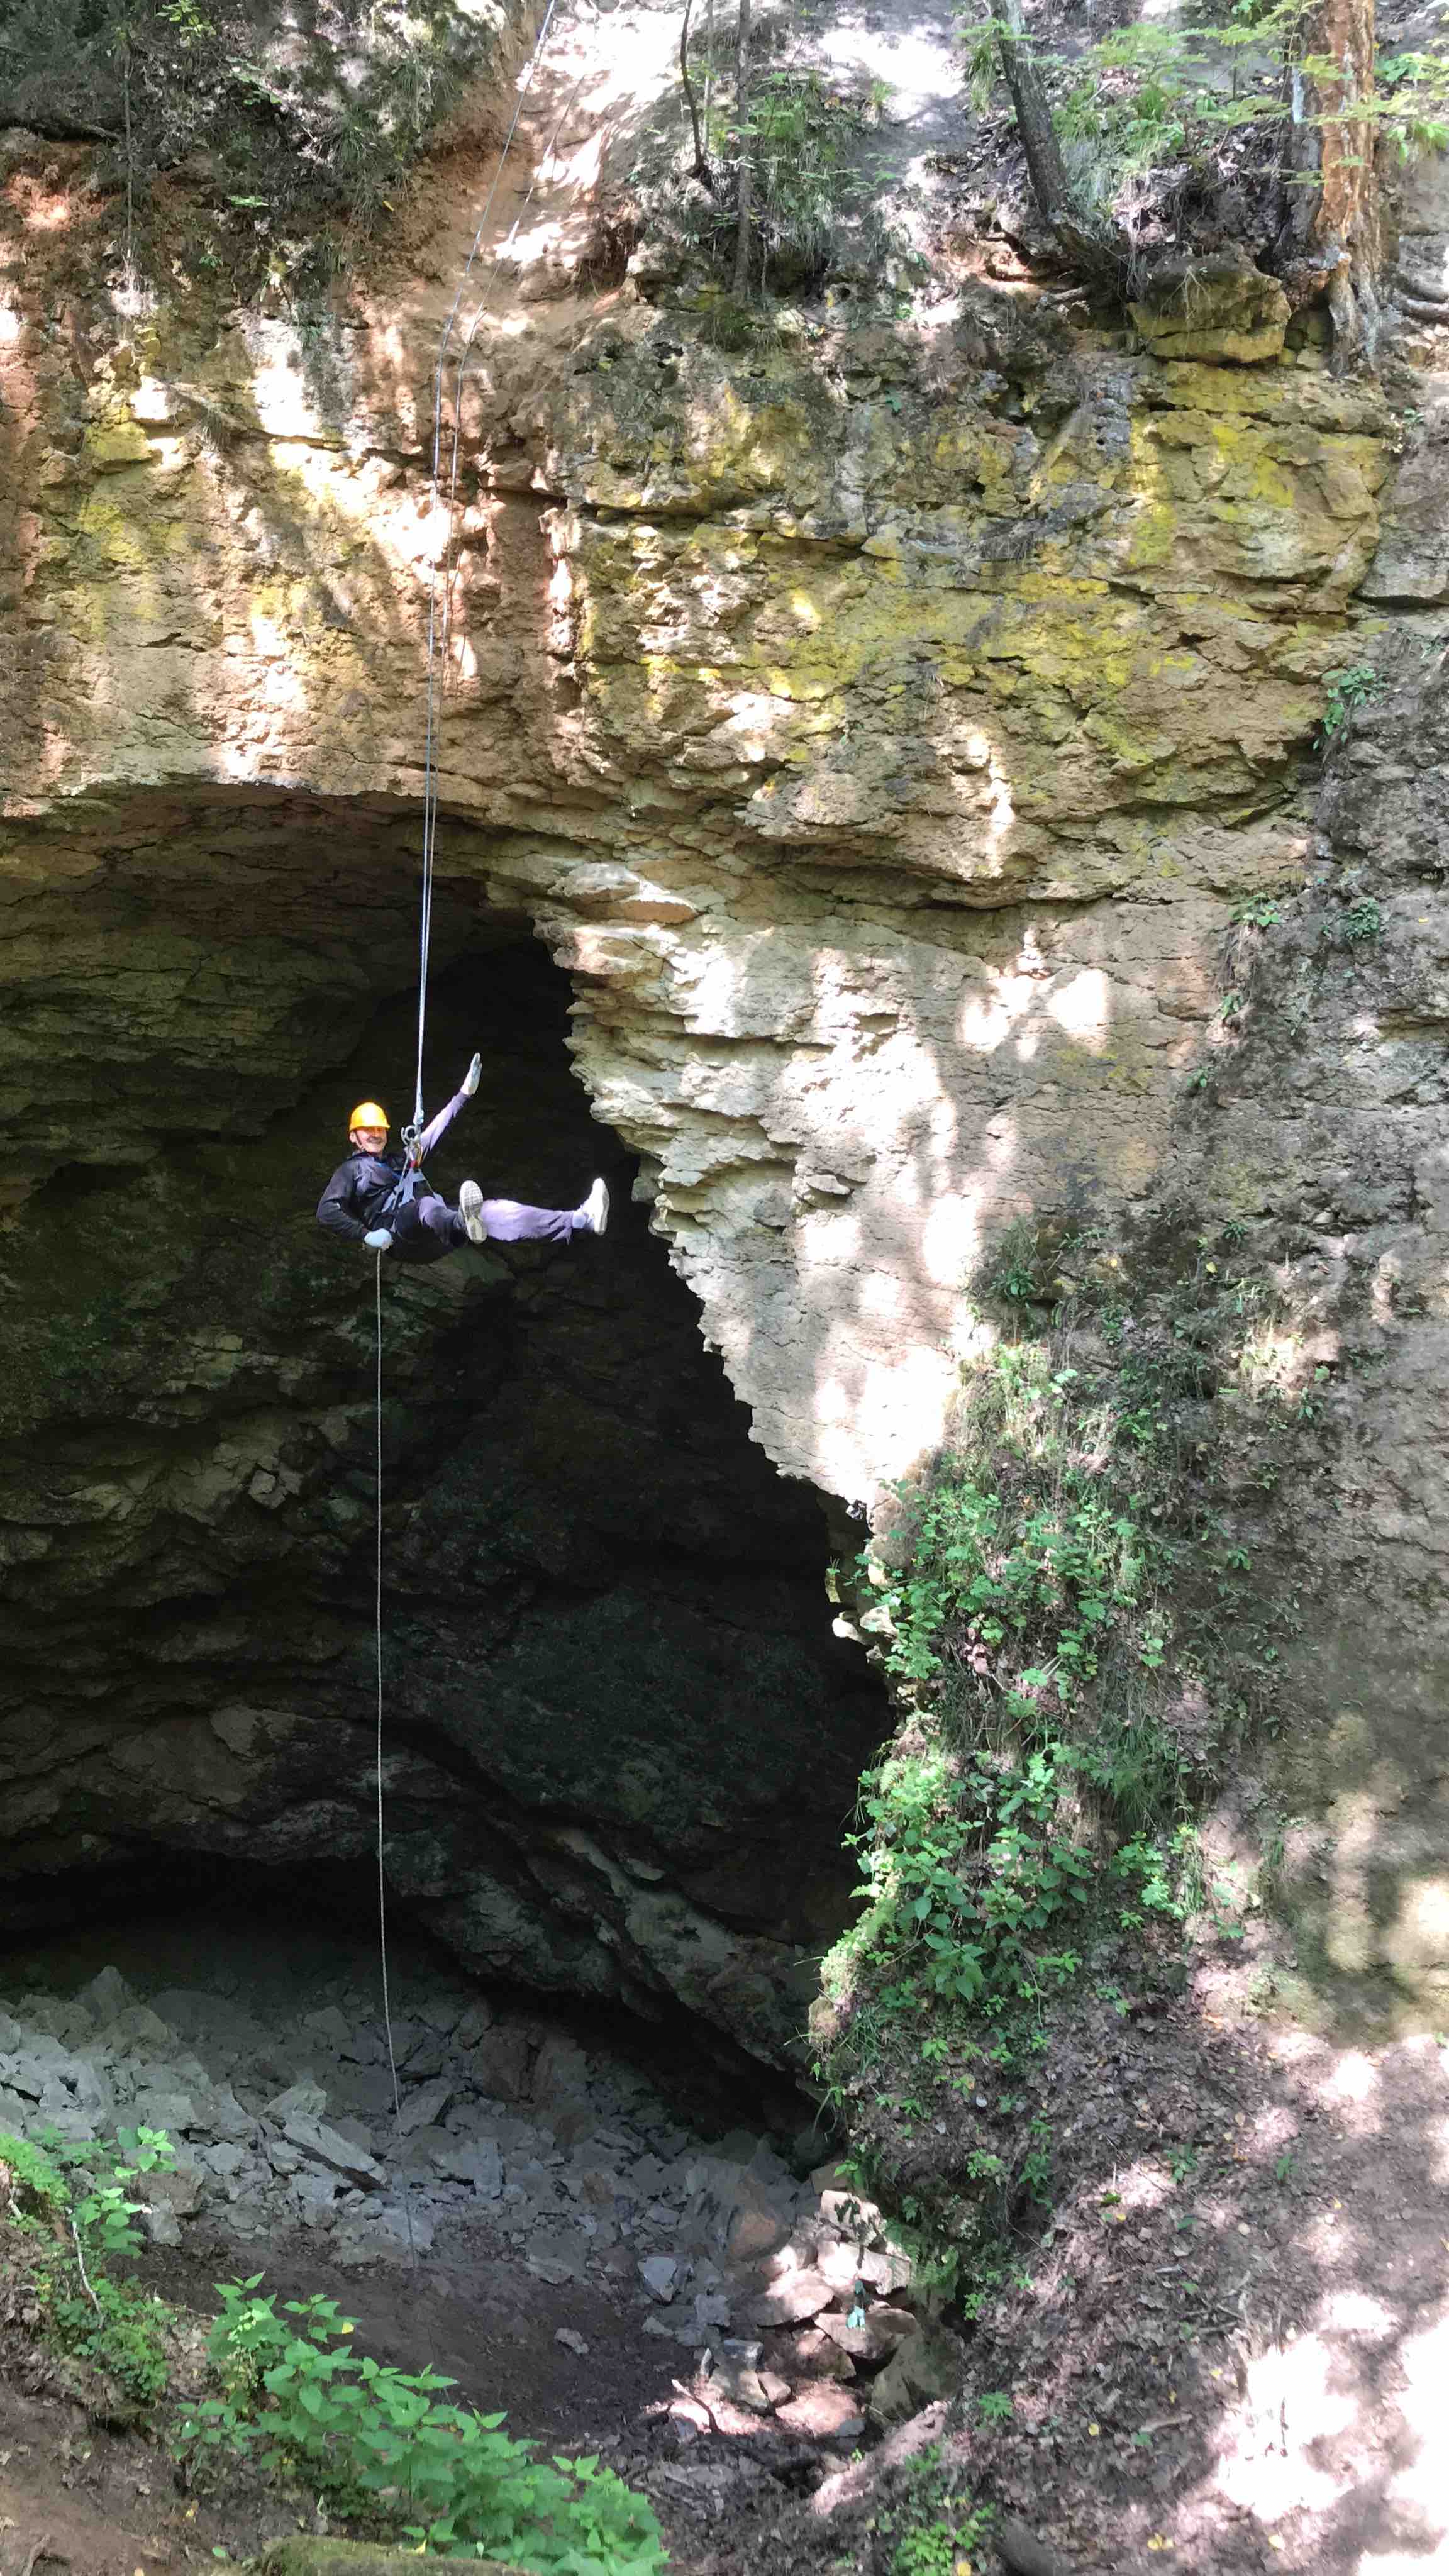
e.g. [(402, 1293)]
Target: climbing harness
[(404, 1189), (439, 641)]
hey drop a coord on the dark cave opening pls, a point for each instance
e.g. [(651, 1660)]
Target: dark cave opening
[(622, 1740)]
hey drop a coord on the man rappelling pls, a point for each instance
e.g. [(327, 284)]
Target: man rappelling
[(378, 1199)]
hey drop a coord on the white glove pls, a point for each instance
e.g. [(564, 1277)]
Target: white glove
[(472, 1077), (379, 1240)]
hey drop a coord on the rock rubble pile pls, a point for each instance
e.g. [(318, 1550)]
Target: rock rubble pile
[(781, 2292)]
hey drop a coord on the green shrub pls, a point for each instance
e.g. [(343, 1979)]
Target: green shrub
[(122, 2330), (1179, 95), (376, 2440), (931, 2520), (1358, 925), (1062, 1603), (1344, 693), (68, 2200), (1028, 1615)]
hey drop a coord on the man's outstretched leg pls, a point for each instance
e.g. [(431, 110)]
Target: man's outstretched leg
[(508, 1221), (426, 1228)]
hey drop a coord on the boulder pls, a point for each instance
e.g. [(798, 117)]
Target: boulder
[(808, 2354), (472, 2023), (329, 2025), (557, 2258), (32, 2068), (166, 2109), (1218, 308), (498, 2064), (659, 2274), (106, 1995), (225, 2162), (138, 2030), (322, 2145), (883, 2330), (304, 2101), (391, 2229), (754, 2230), (315, 2195), (417, 2046), (791, 2300), (222, 2117), (179, 2188), (472, 2160), (925, 2365), (822, 2410), (424, 2107)]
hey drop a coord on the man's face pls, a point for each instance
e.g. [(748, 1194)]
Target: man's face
[(369, 1140)]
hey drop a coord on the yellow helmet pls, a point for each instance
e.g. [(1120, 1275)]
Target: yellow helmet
[(368, 1113)]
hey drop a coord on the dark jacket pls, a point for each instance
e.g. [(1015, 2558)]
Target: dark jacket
[(357, 1193)]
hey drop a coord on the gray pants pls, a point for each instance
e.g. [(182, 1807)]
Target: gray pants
[(425, 1228)]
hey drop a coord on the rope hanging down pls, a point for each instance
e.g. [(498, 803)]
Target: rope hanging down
[(381, 1877), (439, 632)]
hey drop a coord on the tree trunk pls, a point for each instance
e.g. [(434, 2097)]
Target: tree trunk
[(702, 171), (1092, 247), (1334, 227), (746, 197)]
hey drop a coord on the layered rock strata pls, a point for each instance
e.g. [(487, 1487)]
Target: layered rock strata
[(880, 731), (881, 727)]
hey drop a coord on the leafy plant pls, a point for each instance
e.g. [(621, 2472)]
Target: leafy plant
[(372, 2438), (122, 2330), (1358, 925), (1077, 1637), (1346, 691), (931, 2520), (1157, 97), (70, 2200)]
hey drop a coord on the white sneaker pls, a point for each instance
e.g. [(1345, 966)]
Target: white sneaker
[(470, 1209), (596, 1207)]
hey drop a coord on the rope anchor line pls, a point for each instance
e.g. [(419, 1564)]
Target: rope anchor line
[(439, 636), (440, 621)]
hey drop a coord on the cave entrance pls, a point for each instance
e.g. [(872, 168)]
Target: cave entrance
[(622, 1739)]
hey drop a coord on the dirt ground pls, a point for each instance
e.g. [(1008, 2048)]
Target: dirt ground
[(1227, 2349), (480, 2319), (1226, 2345)]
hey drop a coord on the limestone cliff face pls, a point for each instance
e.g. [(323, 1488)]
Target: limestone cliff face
[(880, 730), (879, 738)]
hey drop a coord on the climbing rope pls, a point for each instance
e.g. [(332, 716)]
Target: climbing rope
[(439, 640), (439, 629), (381, 1841)]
